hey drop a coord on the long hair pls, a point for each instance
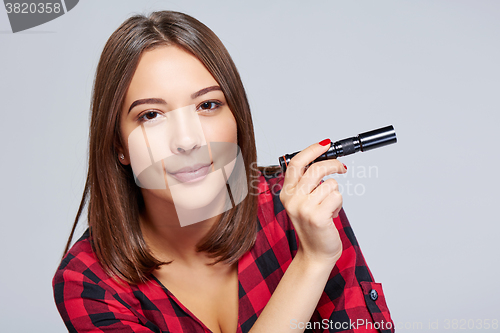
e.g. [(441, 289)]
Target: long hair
[(114, 200)]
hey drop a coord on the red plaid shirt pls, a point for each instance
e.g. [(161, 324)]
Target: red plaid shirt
[(91, 301)]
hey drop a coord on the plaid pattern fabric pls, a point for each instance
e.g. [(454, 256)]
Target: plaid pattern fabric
[(91, 301)]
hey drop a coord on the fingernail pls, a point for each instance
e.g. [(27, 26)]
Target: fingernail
[(325, 142), (345, 166)]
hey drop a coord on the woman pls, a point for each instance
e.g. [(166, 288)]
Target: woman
[(185, 234)]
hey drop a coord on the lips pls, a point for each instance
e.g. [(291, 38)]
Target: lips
[(191, 174)]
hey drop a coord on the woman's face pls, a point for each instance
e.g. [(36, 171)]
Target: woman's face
[(178, 130)]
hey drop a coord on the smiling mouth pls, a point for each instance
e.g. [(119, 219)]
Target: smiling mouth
[(192, 174)]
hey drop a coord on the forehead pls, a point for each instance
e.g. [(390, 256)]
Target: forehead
[(170, 71)]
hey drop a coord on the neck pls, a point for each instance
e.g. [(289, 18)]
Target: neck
[(167, 238)]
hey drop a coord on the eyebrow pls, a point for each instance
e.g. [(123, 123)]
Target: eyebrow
[(205, 91), (147, 101), (162, 101)]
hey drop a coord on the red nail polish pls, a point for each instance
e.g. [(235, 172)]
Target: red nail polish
[(345, 166), (325, 142)]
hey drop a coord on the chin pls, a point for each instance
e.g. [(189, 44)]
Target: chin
[(196, 202), (195, 195)]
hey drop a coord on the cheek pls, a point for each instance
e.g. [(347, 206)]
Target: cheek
[(138, 151), (125, 130), (148, 171), (231, 131), (223, 129)]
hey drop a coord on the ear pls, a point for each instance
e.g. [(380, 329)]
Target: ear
[(122, 155), (123, 159)]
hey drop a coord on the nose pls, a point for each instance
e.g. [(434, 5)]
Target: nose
[(187, 134), (186, 140), (184, 150)]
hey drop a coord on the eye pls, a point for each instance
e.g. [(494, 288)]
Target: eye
[(149, 115), (209, 106)]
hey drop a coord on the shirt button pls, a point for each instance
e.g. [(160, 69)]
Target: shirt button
[(373, 294)]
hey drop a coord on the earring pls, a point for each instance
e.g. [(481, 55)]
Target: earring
[(122, 156)]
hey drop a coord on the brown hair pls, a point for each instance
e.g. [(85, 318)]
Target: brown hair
[(114, 199)]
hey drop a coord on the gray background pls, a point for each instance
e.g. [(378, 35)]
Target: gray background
[(425, 219)]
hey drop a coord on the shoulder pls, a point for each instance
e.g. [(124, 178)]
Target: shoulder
[(269, 203), (81, 273), (80, 259), (275, 229), (87, 298)]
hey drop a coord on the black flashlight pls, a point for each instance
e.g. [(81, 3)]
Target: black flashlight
[(362, 142)]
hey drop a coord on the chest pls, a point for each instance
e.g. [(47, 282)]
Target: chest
[(209, 293)]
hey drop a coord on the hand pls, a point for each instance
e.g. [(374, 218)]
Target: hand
[(312, 206)]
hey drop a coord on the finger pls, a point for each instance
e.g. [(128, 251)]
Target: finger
[(331, 204), (311, 178), (296, 167), (323, 190)]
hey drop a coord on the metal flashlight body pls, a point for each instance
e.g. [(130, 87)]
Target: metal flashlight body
[(362, 142)]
